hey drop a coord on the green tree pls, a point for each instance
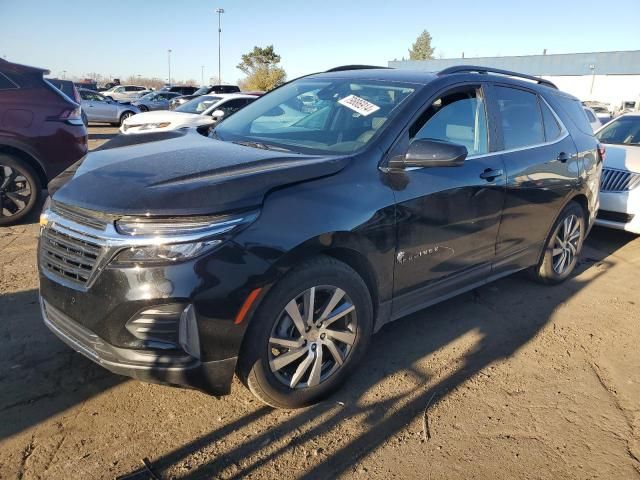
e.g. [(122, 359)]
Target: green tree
[(422, 49), (262, 69)]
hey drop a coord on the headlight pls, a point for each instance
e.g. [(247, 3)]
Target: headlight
[(150, 126), (167, 253), (169, 240)]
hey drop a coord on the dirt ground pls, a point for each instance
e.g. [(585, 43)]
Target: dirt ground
[(513, 380)]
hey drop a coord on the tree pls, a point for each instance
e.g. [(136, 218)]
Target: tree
[(422, 49), (262, 69)]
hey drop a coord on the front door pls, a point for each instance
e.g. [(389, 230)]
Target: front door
[(448, 217)]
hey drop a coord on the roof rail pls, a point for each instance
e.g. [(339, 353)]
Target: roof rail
[(509, 73), (353, 67)]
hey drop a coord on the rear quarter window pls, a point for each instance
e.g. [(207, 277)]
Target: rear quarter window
[(574, 109), (6, 83)]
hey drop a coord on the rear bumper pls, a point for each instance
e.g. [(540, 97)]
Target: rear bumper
[(151, 366)]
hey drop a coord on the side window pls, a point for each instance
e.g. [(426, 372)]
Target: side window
[(520, 117), (590, 115), (83, 95), (456, 117), (232, 106), (573, 108), (551, 128), (119, 90)]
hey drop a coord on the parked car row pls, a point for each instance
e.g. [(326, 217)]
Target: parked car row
[(200, 111)]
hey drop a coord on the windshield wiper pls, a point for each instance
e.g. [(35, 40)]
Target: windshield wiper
[(263, 146)]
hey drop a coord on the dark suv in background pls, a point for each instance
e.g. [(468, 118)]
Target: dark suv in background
[(41, 134), (276, 246)]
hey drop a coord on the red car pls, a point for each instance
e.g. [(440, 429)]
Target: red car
[(41, 134)]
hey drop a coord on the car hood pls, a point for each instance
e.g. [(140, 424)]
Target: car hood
[(623, 157), (182, 173)]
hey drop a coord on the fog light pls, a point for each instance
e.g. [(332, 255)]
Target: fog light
[(188, 332)]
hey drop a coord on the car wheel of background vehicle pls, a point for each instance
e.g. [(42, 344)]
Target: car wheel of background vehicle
[(143, 108), (19, 189), (125, 115), (85, 120), (563, 247), (307, 335)]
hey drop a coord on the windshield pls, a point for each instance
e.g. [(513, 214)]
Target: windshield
[(201, 91), (622, 131), (148, 96), (198, 104), (317, 115)]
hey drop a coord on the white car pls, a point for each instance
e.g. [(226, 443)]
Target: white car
[(202, 110), (125, 93), (620, 184), (594, 121)]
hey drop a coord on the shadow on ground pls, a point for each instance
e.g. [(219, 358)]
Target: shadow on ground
[(500, 313)]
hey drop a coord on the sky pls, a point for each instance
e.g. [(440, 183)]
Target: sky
[(118, 38)]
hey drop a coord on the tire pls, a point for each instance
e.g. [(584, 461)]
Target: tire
[(126, 115), (143, 108), (321, 373), (560, 257), (19, 189)]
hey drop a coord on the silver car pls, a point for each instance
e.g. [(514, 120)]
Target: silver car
[(155, 101), (99, 108)]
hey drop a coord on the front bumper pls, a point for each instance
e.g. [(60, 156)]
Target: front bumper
[(620, 210), (151, 366)]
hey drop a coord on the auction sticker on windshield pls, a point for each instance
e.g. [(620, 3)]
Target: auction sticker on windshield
[(359, 105)]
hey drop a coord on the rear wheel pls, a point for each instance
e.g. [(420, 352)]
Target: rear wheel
[(143, 108), (19, 189), (308, 334), (563, 246), (125, 115)]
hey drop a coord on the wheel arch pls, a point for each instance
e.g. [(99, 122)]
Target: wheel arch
[(29, 158)]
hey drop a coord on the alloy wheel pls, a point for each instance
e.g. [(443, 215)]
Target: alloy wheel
[(566, 244), (125, 116), (312, 337), (15, 191)]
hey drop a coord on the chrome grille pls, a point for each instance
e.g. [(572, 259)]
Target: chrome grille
[(65, 256), (80, 215), (614, 180)]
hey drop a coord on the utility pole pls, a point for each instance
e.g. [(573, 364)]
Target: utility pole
[(202, 76), (169, 57), (593, 77), (219, 11)]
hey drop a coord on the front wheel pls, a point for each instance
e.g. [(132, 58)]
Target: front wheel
[(307, 336), (563, 246), (124, 116)]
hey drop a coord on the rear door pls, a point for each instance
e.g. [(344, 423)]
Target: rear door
[(448, 217), (542, 169)]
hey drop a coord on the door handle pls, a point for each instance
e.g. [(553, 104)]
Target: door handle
[(490, 174), (563, 157)]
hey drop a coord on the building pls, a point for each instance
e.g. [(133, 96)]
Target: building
[(610, 77)]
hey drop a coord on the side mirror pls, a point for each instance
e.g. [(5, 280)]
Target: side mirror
[(431, 153), (217, 114)]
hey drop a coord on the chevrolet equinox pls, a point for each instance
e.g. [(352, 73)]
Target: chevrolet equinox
[(276, 244)]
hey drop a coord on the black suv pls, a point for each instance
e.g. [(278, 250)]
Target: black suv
[(276, 246)]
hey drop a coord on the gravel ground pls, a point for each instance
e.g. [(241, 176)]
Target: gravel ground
[(512, 380)]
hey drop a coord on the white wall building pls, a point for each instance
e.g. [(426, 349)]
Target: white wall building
[(610, 77)]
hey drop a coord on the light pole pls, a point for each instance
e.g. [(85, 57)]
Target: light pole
[(593, 77), (202, 75), (64, 74), (169, 57), (219, 11)]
